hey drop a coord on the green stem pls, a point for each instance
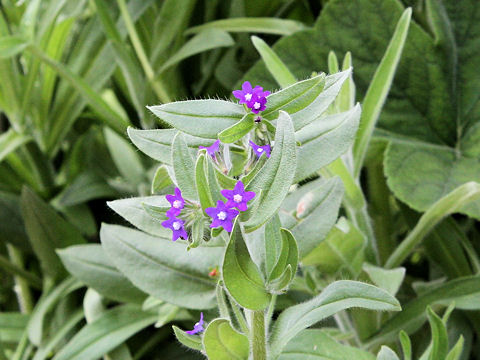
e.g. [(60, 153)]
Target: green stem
[(15, 270), (271, 309), (21, 285), (258, 344), (447, 205), (157, 86)]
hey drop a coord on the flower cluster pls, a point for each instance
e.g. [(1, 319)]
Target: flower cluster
[(177, 225), (224, 214), (255, 98)]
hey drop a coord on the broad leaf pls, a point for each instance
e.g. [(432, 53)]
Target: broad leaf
[(162, 268), (90, 264), (338, 296), (222, 342)]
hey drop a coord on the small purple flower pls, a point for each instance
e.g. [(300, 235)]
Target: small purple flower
[(177, 226), (258, 103), (238, 197), (260, 150), (255, 99), (212, 149), (198, 327), (177, 203), (245, 95), (222, 216)]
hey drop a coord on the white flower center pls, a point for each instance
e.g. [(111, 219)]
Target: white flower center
[(237, 198), (248, 96), (256, 106), (177, 225), (177, 204), (259, 150), (222, 215)]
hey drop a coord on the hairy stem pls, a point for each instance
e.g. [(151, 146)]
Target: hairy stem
[(258, 344)]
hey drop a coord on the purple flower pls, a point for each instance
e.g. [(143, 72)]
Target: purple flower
[(212, 149), (238, 197), (177, 226), (260, 150), (198, 327), (255, 99), (258, 103), (177, 203), (222, 216), (245, 95)]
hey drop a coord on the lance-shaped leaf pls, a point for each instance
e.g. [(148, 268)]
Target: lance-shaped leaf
[(201, 181), (162, 268), (238, 130), (294, 97), (161, 179), (157, 143), (183, 167), (108, 331), (202, 118), (241, 276), (318, 211), (12, 45), (338, 296), (134, 211), (90, 264), (464, 291), (324, 140), (47, 231), (222, 342), (191, 341), (276, 176), (316, 344)]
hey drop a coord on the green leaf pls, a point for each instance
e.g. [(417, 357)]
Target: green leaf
[(157, 143), (90, 264), (108, 331), (378, 89), (387, 354), (288, 256), (134, 211), (46, 303), (329, 136), (338, 296), (439, 336), (201, 183), (457, 350), (47, 231), (12, 228), (252, 24), (277, 68), (241, 276), (317, 211), (12, 326), (464, 291), (389, 280), (238, 130), (12, 45), (10, 141), (201, 118), (125, 157), (279, 285), (205, 40), (162, 268), (276, 176), (340, 250), (182, 166), (406, 345), (191, 341), (316, 344), (222, 342), (161, 179), (447, 205), (295, 97)]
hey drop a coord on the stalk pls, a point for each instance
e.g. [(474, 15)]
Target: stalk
[(22, 290), (258, 343)]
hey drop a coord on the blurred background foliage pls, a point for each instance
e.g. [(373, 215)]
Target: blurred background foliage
[(75, 74)]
